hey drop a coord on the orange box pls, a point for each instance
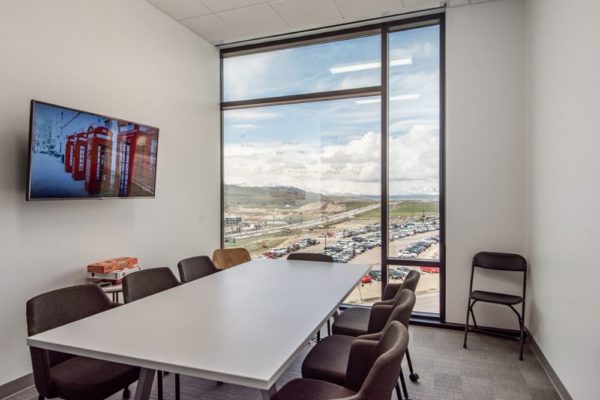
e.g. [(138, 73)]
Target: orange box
[(113, 264)]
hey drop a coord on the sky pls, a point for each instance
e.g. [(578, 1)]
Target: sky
[(334, 147)]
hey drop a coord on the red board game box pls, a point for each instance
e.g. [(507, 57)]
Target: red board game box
[(113, 264)]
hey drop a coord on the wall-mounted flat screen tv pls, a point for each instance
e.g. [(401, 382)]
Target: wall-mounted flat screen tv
[(75, 154)]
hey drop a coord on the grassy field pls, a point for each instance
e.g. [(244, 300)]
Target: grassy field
[(409, 208)]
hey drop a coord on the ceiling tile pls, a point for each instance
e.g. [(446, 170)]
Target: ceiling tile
[(255, 21), (413, 5), (361, 9), (180, 9), (212, 28), (222, 5), (457, 3), (302, 14)]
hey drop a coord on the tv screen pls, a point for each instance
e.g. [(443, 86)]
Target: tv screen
[(75, 154)]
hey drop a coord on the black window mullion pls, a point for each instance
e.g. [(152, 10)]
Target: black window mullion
[(384, 157)]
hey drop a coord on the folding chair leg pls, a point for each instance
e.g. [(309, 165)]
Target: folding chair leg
[(521, 322), (413, 376), (473, 316), (403, 384), (159, 376), (177, 388), (467, 324), (319, 335), (398, 394)]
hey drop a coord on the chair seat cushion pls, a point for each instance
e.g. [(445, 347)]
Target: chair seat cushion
[(493, 297), (328, 360), (352, 322), (83, 378), (311, 389)]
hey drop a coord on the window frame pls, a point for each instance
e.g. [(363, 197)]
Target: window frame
[(382, 29)]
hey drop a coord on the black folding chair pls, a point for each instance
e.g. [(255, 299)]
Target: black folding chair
[(501, 262)]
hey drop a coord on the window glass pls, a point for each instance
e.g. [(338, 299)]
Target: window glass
[(306, 177), (342, 64), (414, 145)]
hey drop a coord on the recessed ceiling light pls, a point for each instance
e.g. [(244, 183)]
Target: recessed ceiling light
[(365, 66), (402, 97)]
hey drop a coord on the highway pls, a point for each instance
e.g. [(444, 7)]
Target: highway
[(305, 224)]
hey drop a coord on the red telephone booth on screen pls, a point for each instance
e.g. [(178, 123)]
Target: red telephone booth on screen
[(98, 160), (136, 159), (79, 155), (70, 142)]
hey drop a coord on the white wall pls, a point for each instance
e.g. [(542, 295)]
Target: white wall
[(564, 232), (484, 149), (120, 58)]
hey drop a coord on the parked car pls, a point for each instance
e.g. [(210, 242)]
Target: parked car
[(407, 254), (396, 273), (279, 251), (375, 275), (366, 279), (430, 270)]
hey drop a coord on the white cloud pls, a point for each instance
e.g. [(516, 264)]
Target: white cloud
[(244, 126), (353, 167)]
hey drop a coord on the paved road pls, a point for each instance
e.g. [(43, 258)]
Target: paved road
[(306, 224)]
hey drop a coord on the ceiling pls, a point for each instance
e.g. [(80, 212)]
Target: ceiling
[(227, 21)]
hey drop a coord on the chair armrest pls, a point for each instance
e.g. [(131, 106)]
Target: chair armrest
[(370, 336), (363, 354), (380, 313)]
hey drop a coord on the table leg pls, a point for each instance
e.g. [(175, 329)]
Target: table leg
[(268, 394), (144, 386)]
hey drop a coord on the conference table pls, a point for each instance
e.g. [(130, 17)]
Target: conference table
[(244, 325)]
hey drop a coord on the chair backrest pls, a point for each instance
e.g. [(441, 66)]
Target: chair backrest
[(53, 309), (403, 307), (411, 281), (500, 261), (383, 315), (374, 366), (310, 257), (227, 258), (195, 268), (147, 282), (392, 290)]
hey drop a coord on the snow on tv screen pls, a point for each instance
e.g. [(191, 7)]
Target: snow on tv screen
[(76, 154)]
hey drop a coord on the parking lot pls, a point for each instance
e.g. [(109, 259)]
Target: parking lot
[(358, 242)]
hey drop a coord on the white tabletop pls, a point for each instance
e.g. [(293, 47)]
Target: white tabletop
[(243, 325)]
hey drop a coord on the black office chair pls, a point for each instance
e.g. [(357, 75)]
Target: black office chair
[(358, 321), (372, 372), (194, 268), (501, 262), (145, 283), (319, 258), (328, 360), (64, 375), (310, 257)]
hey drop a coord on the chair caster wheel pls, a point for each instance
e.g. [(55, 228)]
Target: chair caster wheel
[(414, 377), (126, 393)]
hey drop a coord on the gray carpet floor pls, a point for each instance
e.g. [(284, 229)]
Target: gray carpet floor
[(489, 369)]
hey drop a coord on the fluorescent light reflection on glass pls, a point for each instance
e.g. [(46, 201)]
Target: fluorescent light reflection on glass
[(403, 97), (365, 66)]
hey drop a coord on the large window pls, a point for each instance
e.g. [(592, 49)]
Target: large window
[(414, 160), (333, 145)]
